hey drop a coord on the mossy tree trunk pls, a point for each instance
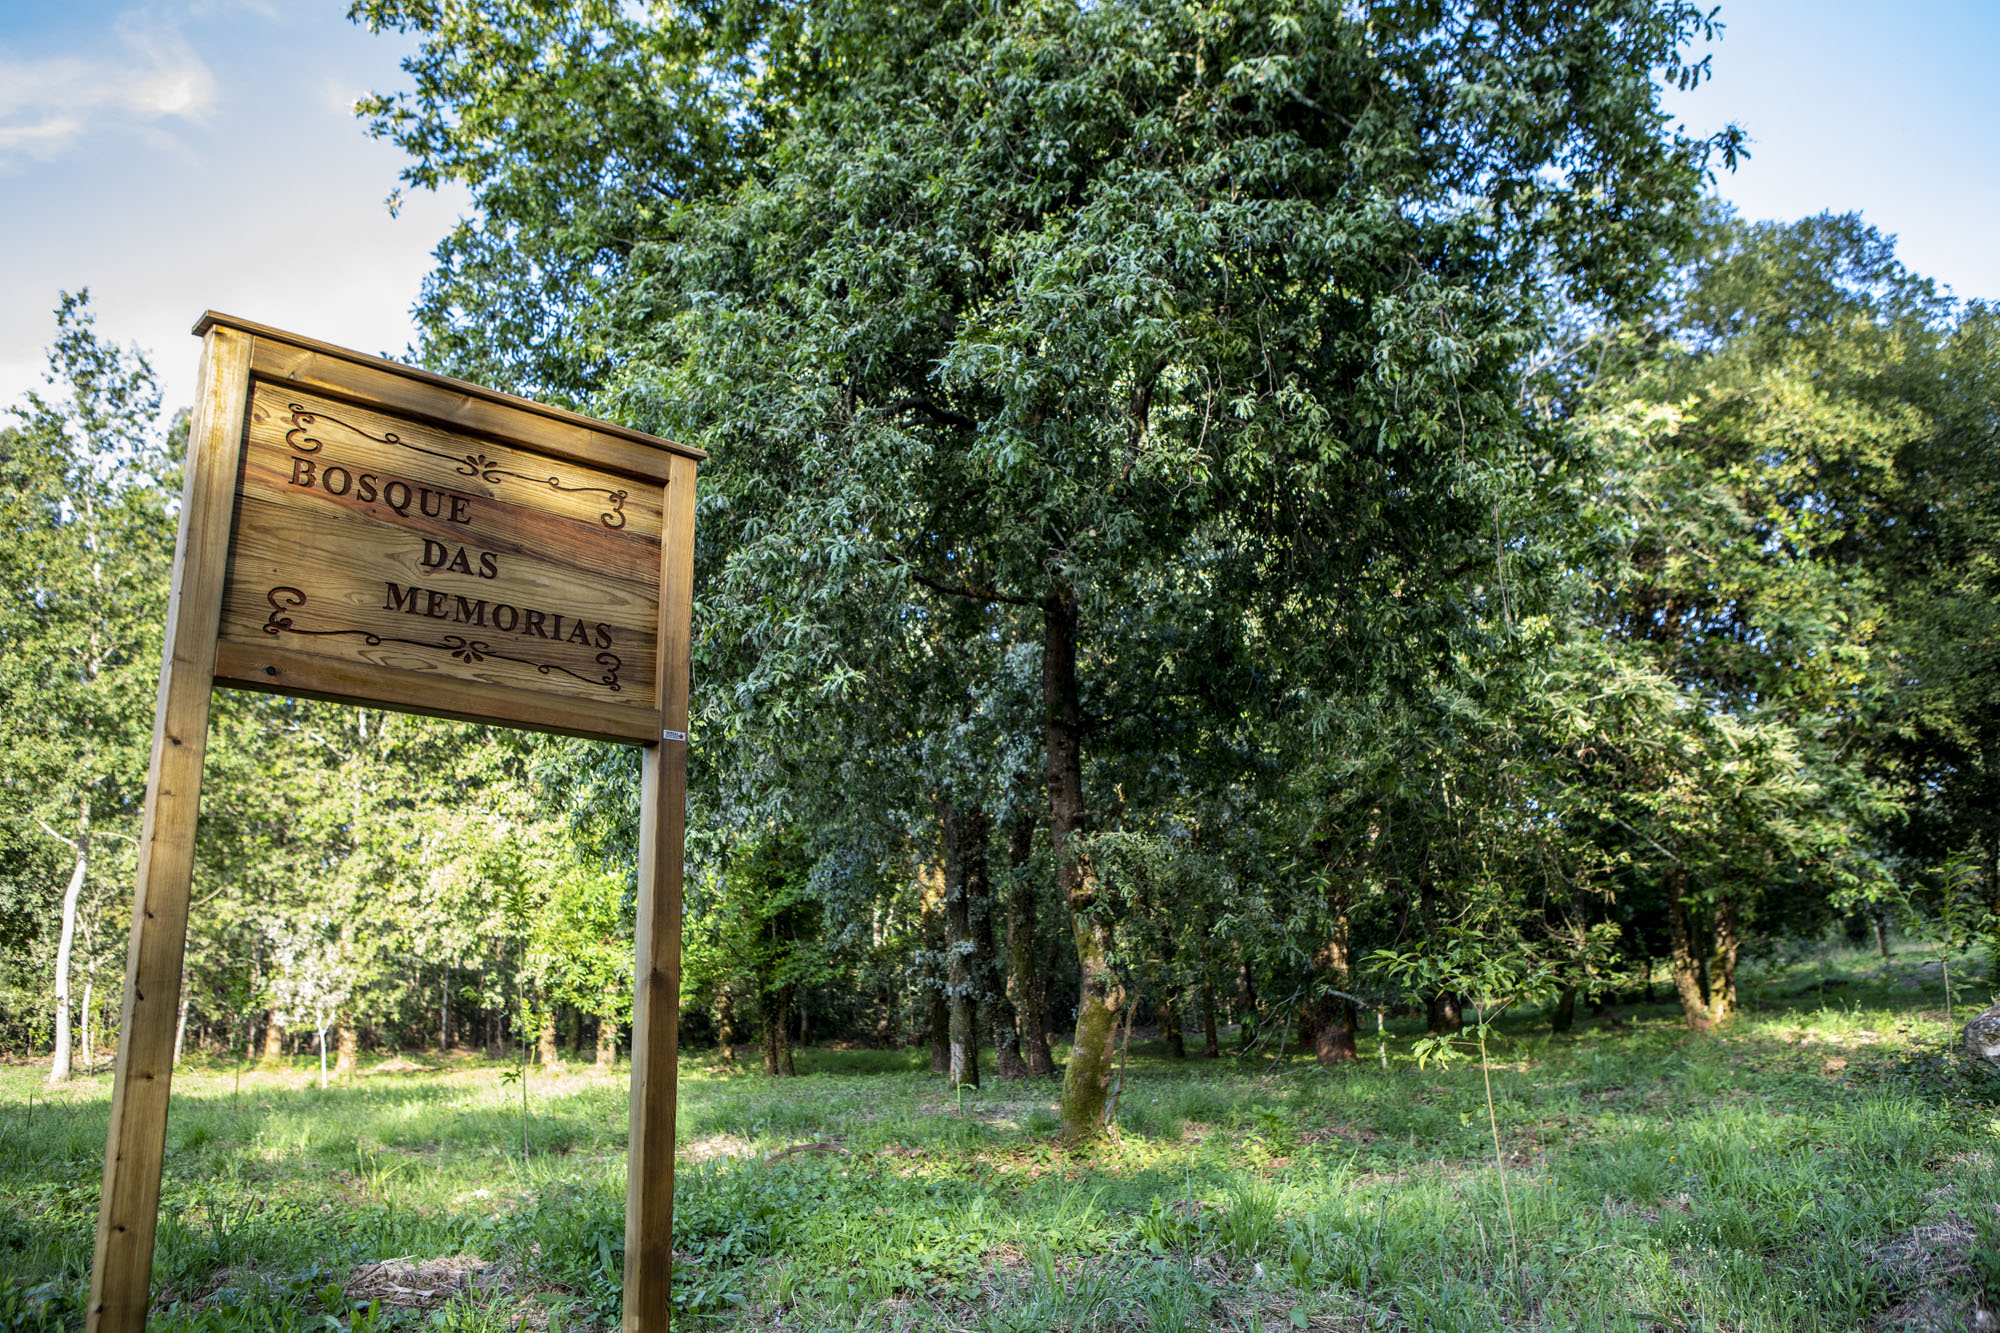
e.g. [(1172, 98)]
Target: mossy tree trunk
[(1703, 945), (1100, 994)]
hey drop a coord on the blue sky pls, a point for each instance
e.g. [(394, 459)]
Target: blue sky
[(180, 155)]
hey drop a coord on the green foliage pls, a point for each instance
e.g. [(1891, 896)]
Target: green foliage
[(87, 481)]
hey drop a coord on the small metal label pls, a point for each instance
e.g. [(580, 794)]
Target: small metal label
[(673, 735)]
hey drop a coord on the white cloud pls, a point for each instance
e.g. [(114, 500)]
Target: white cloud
[(51, 104), (42, 140)]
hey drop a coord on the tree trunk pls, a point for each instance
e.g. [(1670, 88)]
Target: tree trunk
[(545, 1040), (727, 1034), (1722, 962), (1002, 1021), (573, 1018), (1246, 1003), (1211, 1033), (1100, 996), (1333, 1038), (181, 1026), (886, 1035), (59, 1067), (1024, 978), (347, 1048), (89, 1059), (960, 828), (322, 1059), (930, 981), (1444, 1013), (1333, 1041), (785, 1068), (1564, 1017), (1881, 924), (775, 1034), (1686, 967), (1170, 1025), (274, 1039), (607, 1042)]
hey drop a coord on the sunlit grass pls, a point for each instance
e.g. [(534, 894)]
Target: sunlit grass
[(1819, 1166)]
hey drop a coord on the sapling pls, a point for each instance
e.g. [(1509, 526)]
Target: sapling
[(1960, 919), (1497, 979)]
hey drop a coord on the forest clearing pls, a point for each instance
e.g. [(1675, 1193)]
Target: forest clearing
[(1004, 583), (1821, 1166)]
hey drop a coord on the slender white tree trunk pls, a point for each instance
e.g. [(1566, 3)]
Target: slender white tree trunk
[(322, 1055), (59, 1068), (181, 1026), (84, 1014)]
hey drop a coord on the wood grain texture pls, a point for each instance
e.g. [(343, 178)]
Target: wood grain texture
[(128, 1210), (472, 406), (649, 1179), (438, 571), (268, 670)]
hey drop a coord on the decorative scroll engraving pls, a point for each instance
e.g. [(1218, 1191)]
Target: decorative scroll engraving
[(466, 465), (284, 600)]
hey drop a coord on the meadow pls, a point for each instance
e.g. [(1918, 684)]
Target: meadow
[(1824, 1164)]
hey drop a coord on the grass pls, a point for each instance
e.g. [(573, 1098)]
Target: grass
[(1821, 1165)]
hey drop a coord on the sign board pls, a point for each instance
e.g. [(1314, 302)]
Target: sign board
[(359, 530), (383, 557)]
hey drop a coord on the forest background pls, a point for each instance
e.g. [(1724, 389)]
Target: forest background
[(1217, 516)]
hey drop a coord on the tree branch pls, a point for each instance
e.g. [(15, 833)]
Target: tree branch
[(930, 409), (971, 594)]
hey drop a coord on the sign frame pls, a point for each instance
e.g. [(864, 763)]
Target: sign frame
[(237, 358)]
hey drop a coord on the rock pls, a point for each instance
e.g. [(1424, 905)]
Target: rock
[(1981, 1038)]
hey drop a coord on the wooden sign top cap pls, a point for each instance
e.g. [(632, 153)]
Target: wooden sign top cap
[(213, 318)]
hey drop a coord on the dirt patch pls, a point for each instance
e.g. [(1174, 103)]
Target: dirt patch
[(417, 1284), (398, 1065), (714, 1146), (431, 1284), (1929, 1270)]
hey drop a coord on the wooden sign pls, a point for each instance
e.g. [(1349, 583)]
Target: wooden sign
[(355, 529)]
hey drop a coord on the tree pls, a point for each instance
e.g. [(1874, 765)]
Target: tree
[(1750, 433), (1095, 318), (86, 507), (312, 977), (1943, 581)]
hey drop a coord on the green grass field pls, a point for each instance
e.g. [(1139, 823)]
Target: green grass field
[(1821, 1166)]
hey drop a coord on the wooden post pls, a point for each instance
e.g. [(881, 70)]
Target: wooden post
[(128, 1212), (649, 1163)]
